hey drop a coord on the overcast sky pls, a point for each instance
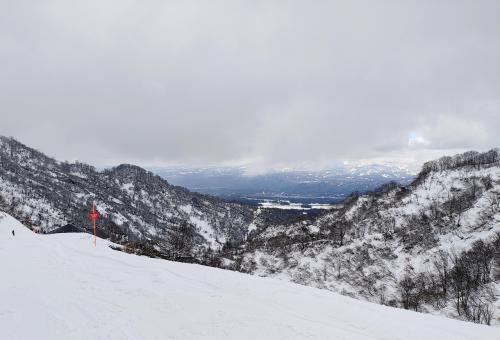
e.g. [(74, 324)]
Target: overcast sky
[(265, 83)]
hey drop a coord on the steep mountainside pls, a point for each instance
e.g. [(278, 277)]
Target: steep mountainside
[(136, 206), (432, 246)]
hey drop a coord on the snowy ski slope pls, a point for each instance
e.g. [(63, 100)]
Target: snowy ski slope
[(60, 287)]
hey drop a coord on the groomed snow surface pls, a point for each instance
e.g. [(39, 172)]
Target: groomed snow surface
[(61, 287)]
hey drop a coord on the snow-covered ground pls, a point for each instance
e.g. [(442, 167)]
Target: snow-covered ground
[(61, 287)]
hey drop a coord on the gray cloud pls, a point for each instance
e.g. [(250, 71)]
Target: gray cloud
[(263, 82)]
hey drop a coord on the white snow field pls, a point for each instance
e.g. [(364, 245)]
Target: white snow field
[(61, 287)]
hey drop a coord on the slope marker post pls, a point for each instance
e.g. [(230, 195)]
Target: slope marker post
[(94, 216), (93, 211)]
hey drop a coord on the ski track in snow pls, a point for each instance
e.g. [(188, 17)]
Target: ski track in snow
[(61, 287)]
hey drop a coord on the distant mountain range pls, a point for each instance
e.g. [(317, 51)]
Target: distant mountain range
[(325, 186)]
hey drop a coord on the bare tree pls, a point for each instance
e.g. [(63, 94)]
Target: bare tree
[(493, 200)]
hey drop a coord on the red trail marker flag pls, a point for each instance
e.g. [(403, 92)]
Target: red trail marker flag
[(94, 216)]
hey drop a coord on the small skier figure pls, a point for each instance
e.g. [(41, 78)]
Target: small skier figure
[(13, 233)]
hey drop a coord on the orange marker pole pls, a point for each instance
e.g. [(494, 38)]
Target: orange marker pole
[(93, 212)]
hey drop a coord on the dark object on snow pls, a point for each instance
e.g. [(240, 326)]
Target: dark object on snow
[(68, 228), (13, 233)]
